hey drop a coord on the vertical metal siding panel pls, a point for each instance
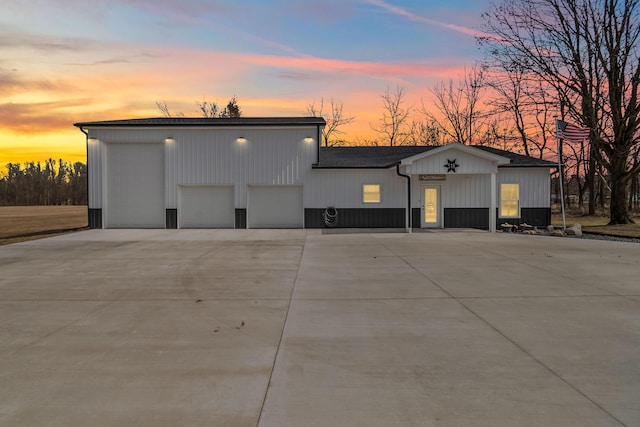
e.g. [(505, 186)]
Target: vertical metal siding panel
[(170, 190), (482, 191), (343, 188), (534, 185), (212, 156), (94, 162)]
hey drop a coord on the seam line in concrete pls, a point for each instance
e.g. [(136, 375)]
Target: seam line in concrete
[(541, 363), (564, 276), (284, 325), (537, 267), (544, 296), (65, 326), (518, 346)]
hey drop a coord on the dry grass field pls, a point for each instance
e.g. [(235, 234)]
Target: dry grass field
[(25, 220), (18, 221), (598, 224)]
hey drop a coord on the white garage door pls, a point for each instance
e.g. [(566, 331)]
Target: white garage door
[(135, 186), (277, 206), (206, 206)]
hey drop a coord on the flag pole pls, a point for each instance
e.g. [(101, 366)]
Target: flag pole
[(564, 221)]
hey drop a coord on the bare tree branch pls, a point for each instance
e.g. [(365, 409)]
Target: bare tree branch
[(335, 119), (589, 51), (392, 127), (460, 116)]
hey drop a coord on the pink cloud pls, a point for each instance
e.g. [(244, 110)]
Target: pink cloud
[(423, 20), (388, 71)]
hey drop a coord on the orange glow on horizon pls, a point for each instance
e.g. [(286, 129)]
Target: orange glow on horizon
[(66, 145), (37, 112)]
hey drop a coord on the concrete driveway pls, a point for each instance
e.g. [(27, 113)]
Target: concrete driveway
[(295, 328)]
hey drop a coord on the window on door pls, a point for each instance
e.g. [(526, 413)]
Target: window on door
[(371, 193), (509, 200), (431, 207)]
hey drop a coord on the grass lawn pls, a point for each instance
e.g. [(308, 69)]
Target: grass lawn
[(20, 220), (598, 224)]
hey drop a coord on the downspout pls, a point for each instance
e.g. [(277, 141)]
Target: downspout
[(409, 213), (319, 142), (86, 146)]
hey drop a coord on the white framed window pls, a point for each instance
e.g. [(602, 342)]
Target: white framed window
[(371, 193), (509, 200)]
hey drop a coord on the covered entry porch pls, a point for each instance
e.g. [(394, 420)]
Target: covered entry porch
[(453, 186)]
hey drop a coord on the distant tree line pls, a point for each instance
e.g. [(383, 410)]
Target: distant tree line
[(51, 183)]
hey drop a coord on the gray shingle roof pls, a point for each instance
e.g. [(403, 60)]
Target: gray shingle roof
[(384, 157), (204, 121)]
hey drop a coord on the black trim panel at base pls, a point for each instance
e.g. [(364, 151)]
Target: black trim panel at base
[(415, 218), (171, 219), (540, 217), (537, 217), (95, 218), (358, 218), (241, 218), (466, 218), (479, 217)]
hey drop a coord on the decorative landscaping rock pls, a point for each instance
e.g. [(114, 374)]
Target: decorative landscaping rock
[(532, 232), (506, 227), (557, 233), (575, 230)]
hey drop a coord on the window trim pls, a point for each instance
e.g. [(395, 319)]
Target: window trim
[(365, 193), (502, 199)]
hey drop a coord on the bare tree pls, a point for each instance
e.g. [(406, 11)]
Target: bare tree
[(513, 99), (459, 113), (335, 119), (166, 112), (208, 109), (426, 132), (164, 108), (232, 109), (211, 109), (392, 127), (589, 51), (366, 142)]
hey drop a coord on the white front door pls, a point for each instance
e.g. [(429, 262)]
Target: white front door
[(431, 209)]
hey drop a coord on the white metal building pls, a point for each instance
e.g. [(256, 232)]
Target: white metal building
[(272, 173)]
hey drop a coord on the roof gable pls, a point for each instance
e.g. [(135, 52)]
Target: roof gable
[(457, 147), (453, 158)]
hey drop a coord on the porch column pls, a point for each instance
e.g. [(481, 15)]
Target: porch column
[(492, 208)]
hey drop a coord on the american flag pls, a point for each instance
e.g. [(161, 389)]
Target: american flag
[(570, 132)]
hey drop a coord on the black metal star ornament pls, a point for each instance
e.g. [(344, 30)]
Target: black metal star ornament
[(451, 165)]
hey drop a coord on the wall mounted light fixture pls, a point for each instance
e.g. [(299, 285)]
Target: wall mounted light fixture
[(241, 139), (308, 139), (169, 139)]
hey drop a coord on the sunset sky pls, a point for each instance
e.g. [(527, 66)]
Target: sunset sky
[(64, 61)]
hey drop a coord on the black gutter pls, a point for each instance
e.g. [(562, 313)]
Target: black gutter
[(409, 213), (318, 136), (352, 167)]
